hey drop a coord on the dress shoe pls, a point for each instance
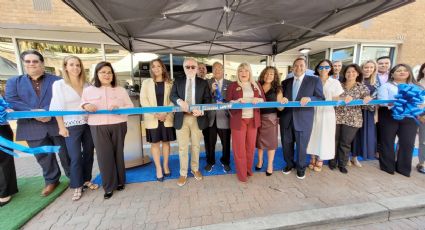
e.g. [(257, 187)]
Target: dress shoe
[(49, 189), (420, 168), (343, 170), (160, 179), (5, 201), (108, 195), (181, 181), (197, 175), (120, 187)]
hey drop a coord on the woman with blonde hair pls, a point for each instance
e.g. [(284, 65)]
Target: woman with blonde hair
[(244, 122), (159, 126), (364, 144), (66, 95)]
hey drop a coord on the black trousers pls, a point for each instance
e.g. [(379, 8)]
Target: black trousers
[(210, 139), (8, 183), (109, 144), (290, 137), (344, 136), (48, 162), (405, 130)]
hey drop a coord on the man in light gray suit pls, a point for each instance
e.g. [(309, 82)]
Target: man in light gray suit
[(218, 121)]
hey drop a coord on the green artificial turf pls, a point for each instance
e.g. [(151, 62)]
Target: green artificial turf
[(28, 202)]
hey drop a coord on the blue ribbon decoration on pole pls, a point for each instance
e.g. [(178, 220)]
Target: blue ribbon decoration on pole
[(405, 105)]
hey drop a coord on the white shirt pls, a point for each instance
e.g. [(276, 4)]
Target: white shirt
[(387, 91), (65, 98), (193, 89)]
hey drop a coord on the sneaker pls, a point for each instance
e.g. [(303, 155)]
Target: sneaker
[(226, 168), (181, 181), (287, 170), (197, 175), (343, 170), (209, 168), (300, 174), (356, 162)]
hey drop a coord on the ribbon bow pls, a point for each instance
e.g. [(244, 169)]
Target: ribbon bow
[(407, 100)]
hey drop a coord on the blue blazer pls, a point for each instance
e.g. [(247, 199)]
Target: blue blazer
[(302, 118), (21, 96)]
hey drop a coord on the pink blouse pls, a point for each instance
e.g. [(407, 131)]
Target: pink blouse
[(105, 98)]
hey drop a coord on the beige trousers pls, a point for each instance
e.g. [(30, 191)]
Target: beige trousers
[(189, 132)]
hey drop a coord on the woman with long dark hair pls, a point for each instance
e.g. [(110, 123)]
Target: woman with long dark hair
[(268, 132), (322, 141), (405, 130), (108, 131), (159, 126), (349, 118)]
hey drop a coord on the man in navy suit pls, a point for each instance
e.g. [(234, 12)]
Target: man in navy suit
[(33, 91), (296, 123)]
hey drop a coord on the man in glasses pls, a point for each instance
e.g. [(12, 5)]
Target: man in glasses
[(33, 91), (218, 121), (337, 67), (187, 91)]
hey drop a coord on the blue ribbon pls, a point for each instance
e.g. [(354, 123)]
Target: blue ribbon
[(407, 100), (405, 105), (6, 146)]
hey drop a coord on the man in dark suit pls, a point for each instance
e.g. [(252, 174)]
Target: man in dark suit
[(218, 121), (296, 123), (33, 91), (187, 91)]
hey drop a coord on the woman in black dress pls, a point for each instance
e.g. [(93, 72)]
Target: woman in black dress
[(159, 126), (8, 183)]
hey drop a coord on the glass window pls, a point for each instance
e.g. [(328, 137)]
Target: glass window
[(8, 67), (314, 59), (374, 52), (54, 53), (345, 55)]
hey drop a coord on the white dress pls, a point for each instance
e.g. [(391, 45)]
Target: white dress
[(322, 139)]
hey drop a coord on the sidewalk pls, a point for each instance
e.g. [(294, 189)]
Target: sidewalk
[(222, 199)]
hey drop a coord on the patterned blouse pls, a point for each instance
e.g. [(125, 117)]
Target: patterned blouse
[(352, 115)]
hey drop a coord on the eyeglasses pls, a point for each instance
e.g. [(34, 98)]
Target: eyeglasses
[(190, 67), (324, 67), (105, 73), (31, 61)]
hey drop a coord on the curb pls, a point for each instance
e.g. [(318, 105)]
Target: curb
[(333, 217)]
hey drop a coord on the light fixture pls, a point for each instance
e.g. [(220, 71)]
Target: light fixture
[(304, 51)]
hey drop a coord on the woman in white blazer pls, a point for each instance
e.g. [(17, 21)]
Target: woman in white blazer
[(159, 126)]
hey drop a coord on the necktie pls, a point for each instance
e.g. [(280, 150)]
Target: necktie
[(189, 92), (295, 89)]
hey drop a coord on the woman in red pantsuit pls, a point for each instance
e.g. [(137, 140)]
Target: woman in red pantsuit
[(244, 122)]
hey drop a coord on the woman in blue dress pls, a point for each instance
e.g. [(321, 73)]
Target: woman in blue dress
[(364, 144)]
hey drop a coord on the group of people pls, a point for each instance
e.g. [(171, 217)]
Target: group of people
[(326, 133)]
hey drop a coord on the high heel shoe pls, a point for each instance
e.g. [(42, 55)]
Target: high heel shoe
[(268, 174), (258, 168), (167, 174), (160, 179)]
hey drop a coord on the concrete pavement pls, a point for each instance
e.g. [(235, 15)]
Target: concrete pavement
[(363, 196)]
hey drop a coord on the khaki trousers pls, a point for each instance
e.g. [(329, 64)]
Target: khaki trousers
[(189, 132)]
